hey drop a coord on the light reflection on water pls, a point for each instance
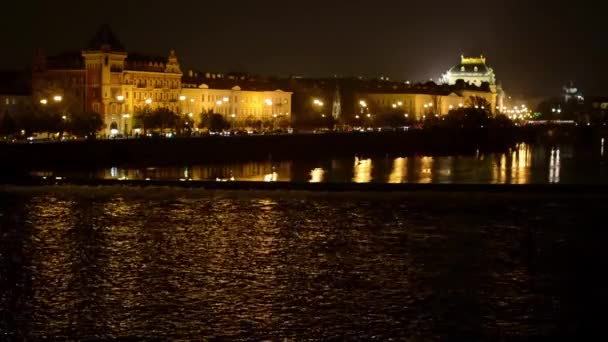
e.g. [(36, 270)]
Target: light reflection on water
[(142, 264), (524, 164)]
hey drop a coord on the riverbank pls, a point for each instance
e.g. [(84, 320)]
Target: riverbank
[(102, 153)]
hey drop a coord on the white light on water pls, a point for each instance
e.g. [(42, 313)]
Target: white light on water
[(555, 166), (316, 175), (272, 177)]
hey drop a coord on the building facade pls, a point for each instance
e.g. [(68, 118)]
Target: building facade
[(418, 106), (471, 70), (104, 78), (236, 104)]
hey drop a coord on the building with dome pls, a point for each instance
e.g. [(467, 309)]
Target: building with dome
[(471, 70)]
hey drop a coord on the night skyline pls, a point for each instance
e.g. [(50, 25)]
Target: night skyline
[(534, 48)]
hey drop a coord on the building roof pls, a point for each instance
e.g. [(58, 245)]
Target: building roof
[(65, 61), (143, 62), (105, 39), (15, 83), (462, 69)]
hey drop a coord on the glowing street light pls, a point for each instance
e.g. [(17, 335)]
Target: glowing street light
[(225, 99), (57, 98), (148, 101), (64, 117), (182, 98), (44, 101), (363, 104), (268, 102), (318, 102), (120, 98), (399, 103), (219, 103)]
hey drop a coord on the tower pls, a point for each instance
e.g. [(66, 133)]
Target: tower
[(336, 109), (103, 58)]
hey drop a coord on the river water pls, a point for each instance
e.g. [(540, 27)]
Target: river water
[(524, 164), (169, 264)]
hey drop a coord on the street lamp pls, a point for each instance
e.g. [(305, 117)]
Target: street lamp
[(120, 98), (57, 98), (44, 101), (148, 101), (182, 98)]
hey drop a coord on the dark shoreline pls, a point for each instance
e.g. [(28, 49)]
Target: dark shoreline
[(383, 188), (20, 159)]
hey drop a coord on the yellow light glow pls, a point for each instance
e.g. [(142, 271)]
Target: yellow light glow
[(44, 101), (57, 98), (362, 170), (316, 175), (120, 98), (182, 98), (148, 101)]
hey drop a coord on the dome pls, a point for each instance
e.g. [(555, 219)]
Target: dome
[(461, 69)]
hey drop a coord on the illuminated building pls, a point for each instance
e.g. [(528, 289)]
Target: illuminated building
[(14, 92), (470, 70), (104, 78), (418, 105)]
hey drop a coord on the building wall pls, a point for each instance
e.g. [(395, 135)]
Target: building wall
[(414, 104), (236, 104)]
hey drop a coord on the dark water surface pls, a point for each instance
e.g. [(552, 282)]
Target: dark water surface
[(102, 263), (524, 164)]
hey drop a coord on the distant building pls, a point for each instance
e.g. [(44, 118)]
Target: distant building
[(419, 103), (15, 92), (572, 93), (104, 78), (470, 70)]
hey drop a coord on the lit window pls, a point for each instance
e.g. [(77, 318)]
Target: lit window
[(462, 68)]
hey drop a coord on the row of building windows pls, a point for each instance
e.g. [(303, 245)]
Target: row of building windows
[(147, 83), (235, 99)]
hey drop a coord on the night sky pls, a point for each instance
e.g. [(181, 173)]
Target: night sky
[(534, 48)]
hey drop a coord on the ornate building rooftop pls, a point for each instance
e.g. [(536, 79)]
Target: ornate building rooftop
[(105, 40)]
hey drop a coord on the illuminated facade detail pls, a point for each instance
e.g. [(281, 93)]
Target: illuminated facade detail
[(470, 70)]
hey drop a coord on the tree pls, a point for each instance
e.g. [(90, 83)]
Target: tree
[(8, 125), (143, 119), (84, 124), (214, 122), (392, 119), (466, 118), (478, 102)]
